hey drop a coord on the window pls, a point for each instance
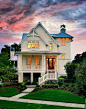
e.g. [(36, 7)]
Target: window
[(67, 39), (37, 44), (58, 39), (63, 41), (39, 61), (29, 44), (29, 61), (62, 56), (33, 44), (51, 46), (26, 61)]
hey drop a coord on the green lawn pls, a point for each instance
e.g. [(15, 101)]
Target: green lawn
[(55, 95), (9, 92), (19, 105)]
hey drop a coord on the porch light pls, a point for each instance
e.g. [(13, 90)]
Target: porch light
[(32, 56)]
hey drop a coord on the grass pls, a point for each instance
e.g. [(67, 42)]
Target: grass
[(9, 92), (19, 105), (55, 95)]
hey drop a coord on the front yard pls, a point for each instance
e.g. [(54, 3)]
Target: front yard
[(8, 92), (55, 95)]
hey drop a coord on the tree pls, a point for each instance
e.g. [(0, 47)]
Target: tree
[(82, 80), (70, 69), (6, 68)]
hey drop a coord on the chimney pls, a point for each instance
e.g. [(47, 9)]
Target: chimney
[(63, 28), (12, 52)]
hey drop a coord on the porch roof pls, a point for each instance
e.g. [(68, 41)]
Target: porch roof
[(13, 58), (37, 52)]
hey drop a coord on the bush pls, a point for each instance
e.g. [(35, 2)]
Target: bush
[(37, 88), (69, 80), (28, 82), (34, 83), (62, 87), (51, 82), (50, 86), (61, 81)]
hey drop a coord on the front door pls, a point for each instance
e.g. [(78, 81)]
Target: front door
[(51, 63)]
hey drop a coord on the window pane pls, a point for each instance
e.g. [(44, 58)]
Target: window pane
[(33, 44), (58, 39), (26, 61), (67, 39), (29, 44), (62, 56), (36, 61), (29, 61), (37, 44), (39, 61), (63, 41), (51, 46)]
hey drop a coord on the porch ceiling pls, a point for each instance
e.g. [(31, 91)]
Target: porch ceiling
[(38, 52)]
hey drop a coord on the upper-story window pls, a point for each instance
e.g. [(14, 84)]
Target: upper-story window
[(58, 39), (62, 56), (67, 39), (37, 44), (51, 46), (29, 44), (33, 44), (63, 41)]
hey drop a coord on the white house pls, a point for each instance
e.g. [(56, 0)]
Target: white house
[(43, 55)]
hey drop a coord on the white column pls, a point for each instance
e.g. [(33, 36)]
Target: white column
[(20, 77), (44, 62), (57, 62), (31, 76)]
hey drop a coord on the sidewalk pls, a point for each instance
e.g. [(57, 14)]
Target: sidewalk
[(43, 102), (29, 89)]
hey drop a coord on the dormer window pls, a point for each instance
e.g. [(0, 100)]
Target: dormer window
[(33, 44), (51, 46)]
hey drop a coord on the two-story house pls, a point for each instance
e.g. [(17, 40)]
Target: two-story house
[(43, 55)]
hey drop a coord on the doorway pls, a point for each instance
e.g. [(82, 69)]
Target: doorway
[(51, 63)]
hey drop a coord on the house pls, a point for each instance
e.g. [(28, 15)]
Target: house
[(43, 55)]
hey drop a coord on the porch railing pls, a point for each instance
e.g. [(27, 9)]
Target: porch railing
[(48, 76), (31, 67)]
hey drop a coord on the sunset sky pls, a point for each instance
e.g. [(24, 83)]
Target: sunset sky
[(20, 16)]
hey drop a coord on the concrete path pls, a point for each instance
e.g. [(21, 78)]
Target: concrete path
[(43, 102), (30, 89)]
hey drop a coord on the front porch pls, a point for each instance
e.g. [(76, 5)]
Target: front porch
[(46, 64)]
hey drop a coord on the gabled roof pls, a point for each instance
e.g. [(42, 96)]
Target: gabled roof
[(62, 34), (27, 34), (24, 35)]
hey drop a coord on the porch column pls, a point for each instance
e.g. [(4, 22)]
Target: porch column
[(57, 62), (44, 62), (31, 76), (20, 77)]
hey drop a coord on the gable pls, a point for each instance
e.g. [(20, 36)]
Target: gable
[(41, 32)]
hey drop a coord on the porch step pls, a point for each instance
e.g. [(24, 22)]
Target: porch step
[(30, 86)]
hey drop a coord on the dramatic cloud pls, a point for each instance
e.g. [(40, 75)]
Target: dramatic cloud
[(19, 16)]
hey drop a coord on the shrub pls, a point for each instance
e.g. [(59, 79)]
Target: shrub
[(51, 82), (61, 81), (34, 83), (37, 88), (50, 86), (72, 89), (0, 85)]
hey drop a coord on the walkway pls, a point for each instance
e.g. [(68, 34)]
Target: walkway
[(29, 89)]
